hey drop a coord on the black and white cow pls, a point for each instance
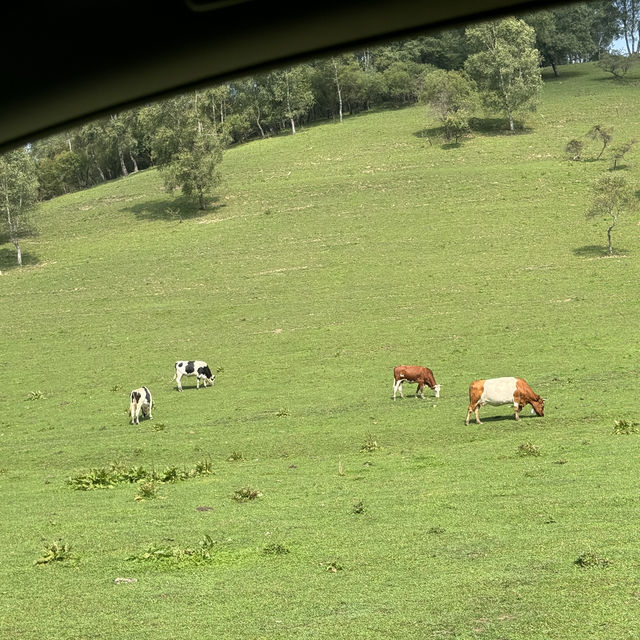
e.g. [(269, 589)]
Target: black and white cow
[(197, 368), (140, 401)]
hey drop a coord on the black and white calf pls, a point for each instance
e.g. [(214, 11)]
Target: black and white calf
[(140, 401), (197, 368)]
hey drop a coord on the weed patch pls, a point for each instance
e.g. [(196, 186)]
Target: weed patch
[(246, 494), (370, 444), (528, 449), (36, 395), (203, 553), (58, 551), (116, 473), (590, 560), (624, 427), (275, 549)]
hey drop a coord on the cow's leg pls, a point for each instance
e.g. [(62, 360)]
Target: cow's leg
[(516, 408), (475, 409), (477, 416), (395, 388), (138, 409), (420, 390), (178, 378), (400, 383), (197, 382), (149, 410), (132, 412)]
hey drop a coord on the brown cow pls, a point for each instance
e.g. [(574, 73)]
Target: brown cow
[(421, 375), (497, 391)]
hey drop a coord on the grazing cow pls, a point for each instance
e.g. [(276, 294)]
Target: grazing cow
[(421, 375), (497, 391), (140, 401), (196, 368)]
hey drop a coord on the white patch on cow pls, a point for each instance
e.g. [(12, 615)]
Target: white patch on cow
[(498, 391), (436, 390)]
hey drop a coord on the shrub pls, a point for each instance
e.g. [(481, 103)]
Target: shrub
[(235, 456), (147, 491), (358, 507)]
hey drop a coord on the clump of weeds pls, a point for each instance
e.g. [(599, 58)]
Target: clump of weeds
[(53, 552), (235, 456), (358, 508), (147, 491), (528, 449), (624, 427), (275, 549), (370, 443), (246, 494), (590, 560), (36, 395)]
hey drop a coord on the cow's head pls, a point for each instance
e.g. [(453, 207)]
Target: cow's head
[(436, 390), (538, 405), (212, 379)]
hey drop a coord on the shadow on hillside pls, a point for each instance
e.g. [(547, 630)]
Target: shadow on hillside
[(497, 127), (176, 209), (9, 260), (597, 251), (565, 74)]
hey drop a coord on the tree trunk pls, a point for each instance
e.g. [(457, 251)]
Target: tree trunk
[(511, 125), (293, 125), (335, 66), (133, 161), (609, 230), (554, 66), (123, 166), (13, 231), (18, 250)]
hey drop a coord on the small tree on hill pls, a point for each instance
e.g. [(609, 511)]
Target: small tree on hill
[(452, 97), (604, 135), (506, 66), (621, 150), (612, 197), (18, 192)]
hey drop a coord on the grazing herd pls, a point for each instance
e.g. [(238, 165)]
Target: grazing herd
[(495, 391), (141, 400)]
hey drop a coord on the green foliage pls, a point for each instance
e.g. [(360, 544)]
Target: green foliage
[(625, 427), (275, 549), (612, 196), (147, 491), (370, 443), (574, 149), (591, 560), (246, 494), (506, 66), (53, 552), (528, 449), (116, 473), (358, 508), (18, 191), (615, 64), (203, 553)]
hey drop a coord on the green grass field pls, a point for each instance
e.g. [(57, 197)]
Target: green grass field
[(328, 258)]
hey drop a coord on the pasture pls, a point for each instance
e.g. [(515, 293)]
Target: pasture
[(328, 258)]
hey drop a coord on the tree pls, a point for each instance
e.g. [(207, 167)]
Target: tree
[(621, 150), (615, 64), (506, 66), (292, 93), (612, 197), (18, 192), (604, 135), (185, 145), (452, 96), (563, 34), (629, 19)]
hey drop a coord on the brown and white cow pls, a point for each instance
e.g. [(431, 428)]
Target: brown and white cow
[(497, 391), (420, 375)]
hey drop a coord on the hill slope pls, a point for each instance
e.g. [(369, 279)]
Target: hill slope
[(330, 257)]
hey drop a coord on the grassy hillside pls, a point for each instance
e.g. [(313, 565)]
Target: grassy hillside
[(328, 258)]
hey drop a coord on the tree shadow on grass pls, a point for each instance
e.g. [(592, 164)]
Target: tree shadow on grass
[(9, 259), (177, 209), (497, 127), (598, 251)]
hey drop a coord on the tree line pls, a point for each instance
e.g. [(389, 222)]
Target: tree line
[(496, 65)]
